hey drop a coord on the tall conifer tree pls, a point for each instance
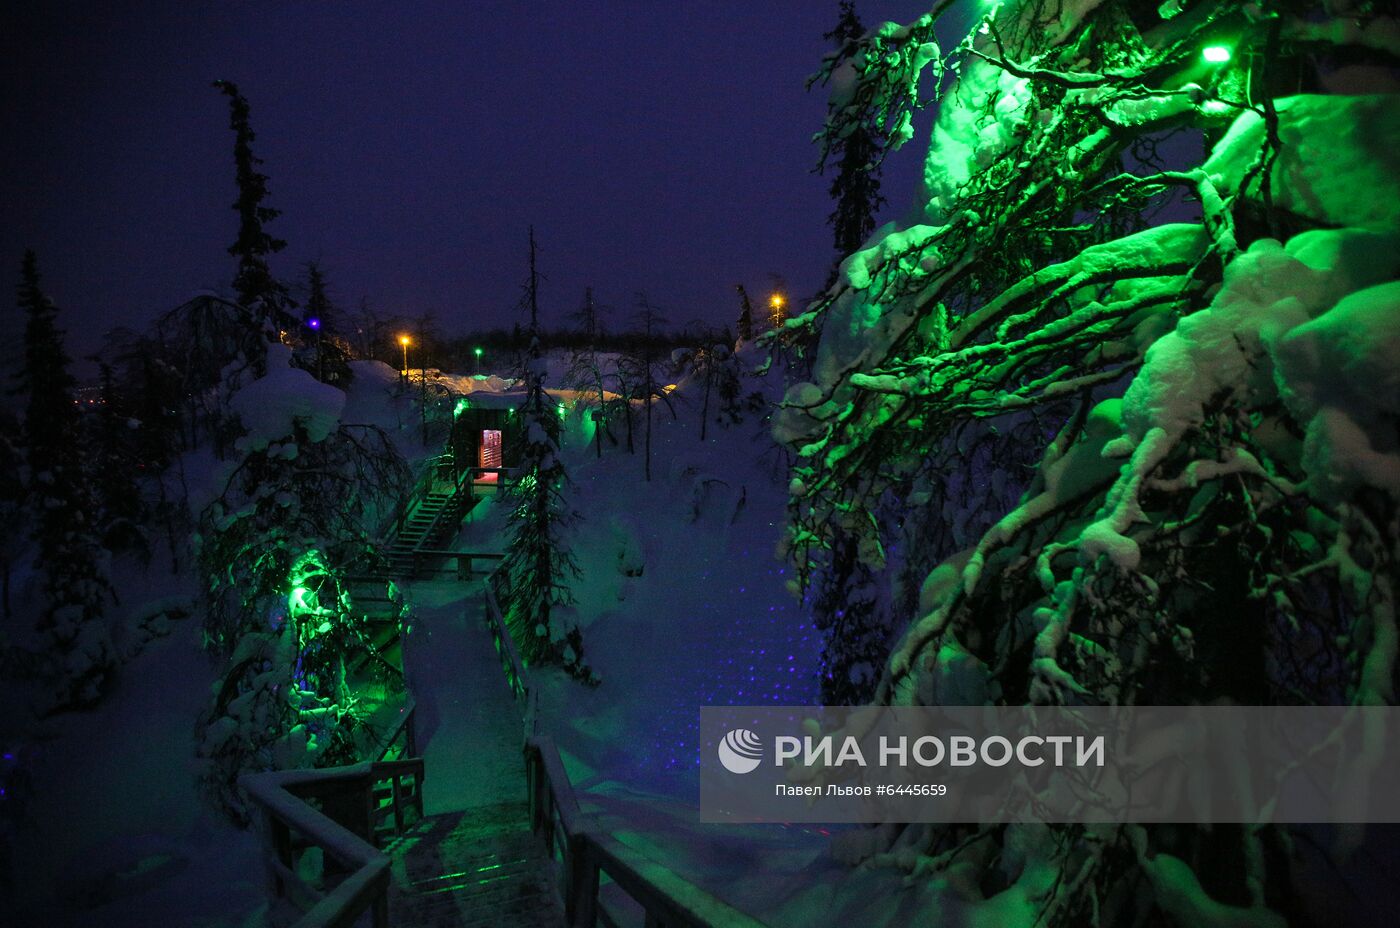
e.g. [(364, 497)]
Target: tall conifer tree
[(856, 186), (254, 283), (76, 655)]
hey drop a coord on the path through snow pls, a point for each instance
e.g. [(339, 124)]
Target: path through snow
[(469, 729)]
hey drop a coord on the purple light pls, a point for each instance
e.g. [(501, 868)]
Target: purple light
[(314, 322)]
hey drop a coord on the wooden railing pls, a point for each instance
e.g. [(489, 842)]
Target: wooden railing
[(512, 664), (584, 852), (430, 562), (457, 503), (505, 476), (401, 740), (338, 811), (424, 484)]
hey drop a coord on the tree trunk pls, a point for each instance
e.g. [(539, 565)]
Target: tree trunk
[(602, 418), (705, 406)]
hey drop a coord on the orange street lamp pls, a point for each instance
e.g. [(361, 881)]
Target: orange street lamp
[(404, 340), (776, 303)]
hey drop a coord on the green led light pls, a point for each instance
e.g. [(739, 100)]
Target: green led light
[(296, 601), (1215, 54)]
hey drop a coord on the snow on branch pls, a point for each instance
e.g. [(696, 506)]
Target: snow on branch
[(1115, 420)]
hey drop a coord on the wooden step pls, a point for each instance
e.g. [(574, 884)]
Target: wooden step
[(478, 868)]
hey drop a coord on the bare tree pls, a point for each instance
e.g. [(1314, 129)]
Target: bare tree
[(587, 371), (644, 364)]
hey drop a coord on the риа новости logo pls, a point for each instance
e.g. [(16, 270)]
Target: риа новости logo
[(740, 751)]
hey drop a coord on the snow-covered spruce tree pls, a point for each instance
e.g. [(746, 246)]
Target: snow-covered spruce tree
[(858, 151), (538, 565), (274, 549), (1212, 404), (75, 657)]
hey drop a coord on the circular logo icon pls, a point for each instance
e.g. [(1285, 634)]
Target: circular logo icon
[(741, 751)]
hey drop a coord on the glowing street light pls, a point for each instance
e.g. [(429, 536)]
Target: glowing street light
[(1215, 54), (776, 302), (404, 340), (477, 352)]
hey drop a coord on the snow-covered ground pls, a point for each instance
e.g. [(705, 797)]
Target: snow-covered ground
[(115, 831)]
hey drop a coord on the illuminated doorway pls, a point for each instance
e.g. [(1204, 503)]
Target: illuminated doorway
[(490, 448)]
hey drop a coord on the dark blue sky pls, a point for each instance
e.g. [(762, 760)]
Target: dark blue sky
[(655, 146)]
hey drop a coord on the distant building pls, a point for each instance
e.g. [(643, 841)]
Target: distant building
[(487, 431), (88, 395)]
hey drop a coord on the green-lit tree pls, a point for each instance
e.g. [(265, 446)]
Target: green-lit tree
[(1125, 398), (75, 657), (294, 516)]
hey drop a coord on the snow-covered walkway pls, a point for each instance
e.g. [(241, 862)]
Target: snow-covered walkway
[(469, 729)]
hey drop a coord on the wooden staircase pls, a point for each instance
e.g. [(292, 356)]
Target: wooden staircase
[(424, 527), (429, 520), (372, 598), (473, 869)]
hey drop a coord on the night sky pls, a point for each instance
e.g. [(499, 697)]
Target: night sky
[(662, 147)]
